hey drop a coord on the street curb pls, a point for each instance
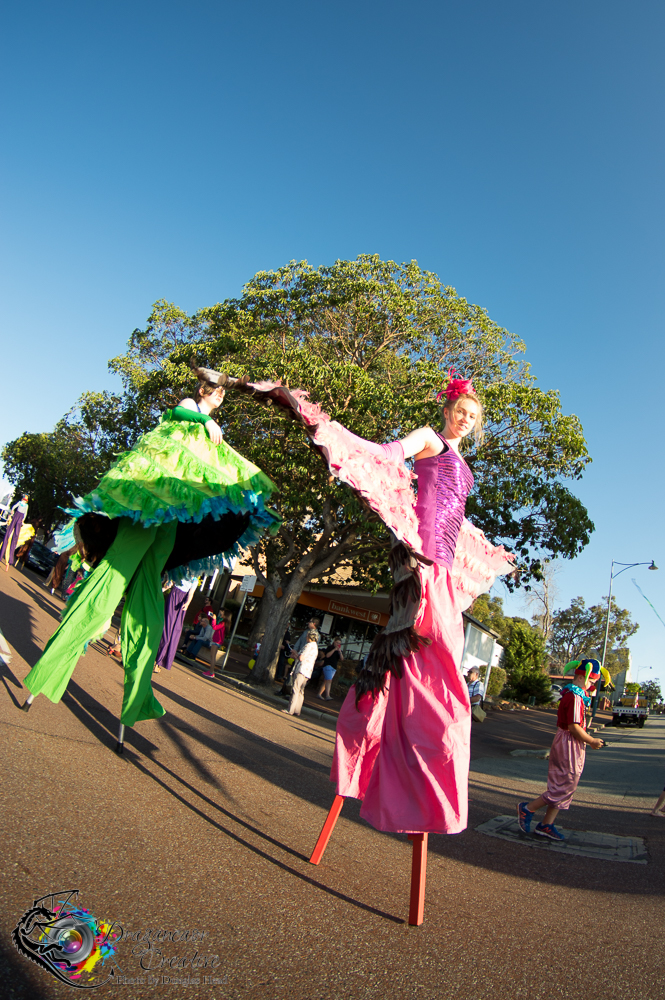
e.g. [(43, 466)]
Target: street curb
[(255, 692)]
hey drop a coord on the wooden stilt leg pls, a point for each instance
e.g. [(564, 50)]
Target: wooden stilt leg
[(418, 873), (25, 707), (120, 745), (327, 830)]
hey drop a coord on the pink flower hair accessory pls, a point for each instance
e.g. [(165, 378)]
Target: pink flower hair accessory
[(456, 387)]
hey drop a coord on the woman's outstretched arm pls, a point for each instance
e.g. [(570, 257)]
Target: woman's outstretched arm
[(423, 442)]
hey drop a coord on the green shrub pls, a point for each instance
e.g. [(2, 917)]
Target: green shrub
[(497, 681), (531, 684)]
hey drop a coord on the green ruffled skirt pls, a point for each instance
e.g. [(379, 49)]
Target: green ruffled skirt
[(175, 472)]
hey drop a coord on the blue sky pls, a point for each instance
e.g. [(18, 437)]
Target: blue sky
[(171, 150)]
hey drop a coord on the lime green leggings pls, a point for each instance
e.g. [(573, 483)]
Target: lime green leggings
[(134, 563)]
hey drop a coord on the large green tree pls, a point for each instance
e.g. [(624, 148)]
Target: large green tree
[(651, 691), (372, 341), (578, 631), (523, 650)]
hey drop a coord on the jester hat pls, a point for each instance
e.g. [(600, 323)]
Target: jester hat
[(591, 669)]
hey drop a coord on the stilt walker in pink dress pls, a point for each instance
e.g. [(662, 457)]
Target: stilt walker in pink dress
[(403, 733)]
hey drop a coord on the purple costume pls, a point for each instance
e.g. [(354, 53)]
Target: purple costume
[(175, 607), (444, 483), (13, 530)]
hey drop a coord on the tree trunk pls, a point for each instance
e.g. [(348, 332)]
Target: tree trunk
[(261, 617), (278, 616)]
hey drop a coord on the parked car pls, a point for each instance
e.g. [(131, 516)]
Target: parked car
[(556, 692), (40, 559)]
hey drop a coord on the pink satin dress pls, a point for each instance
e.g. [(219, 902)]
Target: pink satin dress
[(406, 751), (414, 777)]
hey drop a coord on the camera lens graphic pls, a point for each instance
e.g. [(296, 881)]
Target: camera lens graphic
[(71, 941), (74, 939)]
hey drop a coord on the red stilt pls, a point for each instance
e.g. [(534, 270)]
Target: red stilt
[(418, 873), (327, 830)]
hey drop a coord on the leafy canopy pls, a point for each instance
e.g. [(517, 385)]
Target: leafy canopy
[(578, 631), (524, 650), (372, 341)]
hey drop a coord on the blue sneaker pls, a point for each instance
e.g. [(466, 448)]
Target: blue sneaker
[(549, 830), (524, 818)]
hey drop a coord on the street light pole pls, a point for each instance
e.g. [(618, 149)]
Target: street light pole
[(625, 566)]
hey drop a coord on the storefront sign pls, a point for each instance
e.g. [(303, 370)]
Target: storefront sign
[(360, 614)]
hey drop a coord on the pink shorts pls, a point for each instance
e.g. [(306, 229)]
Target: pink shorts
[(566, 765)]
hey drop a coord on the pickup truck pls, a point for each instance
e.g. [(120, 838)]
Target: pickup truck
[(630, 709)]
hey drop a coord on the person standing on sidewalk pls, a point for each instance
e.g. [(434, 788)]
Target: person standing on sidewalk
[(296, 650), (567, 755), (474, 684), (303, 672), (219, 632), (303, 638), (331, 658)]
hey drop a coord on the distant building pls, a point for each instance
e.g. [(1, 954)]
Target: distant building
[(624, 676)]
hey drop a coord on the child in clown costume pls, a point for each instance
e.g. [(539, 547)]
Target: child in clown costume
[(567, 756), (180, 500)]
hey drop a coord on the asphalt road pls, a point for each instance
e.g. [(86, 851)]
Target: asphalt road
[(206, 824)]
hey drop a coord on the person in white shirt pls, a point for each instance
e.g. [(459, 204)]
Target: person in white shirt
[(475, 687), (303, 672)]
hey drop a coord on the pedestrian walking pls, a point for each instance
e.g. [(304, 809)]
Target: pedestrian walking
[(303, 672), (659, 808), (331, 658), (567, 756)]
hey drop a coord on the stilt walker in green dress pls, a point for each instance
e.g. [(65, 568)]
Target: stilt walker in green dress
[(182, 499)]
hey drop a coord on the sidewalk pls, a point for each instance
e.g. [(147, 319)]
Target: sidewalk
[(238, 674)]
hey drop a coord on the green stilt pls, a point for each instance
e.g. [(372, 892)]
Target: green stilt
[(134, 562)]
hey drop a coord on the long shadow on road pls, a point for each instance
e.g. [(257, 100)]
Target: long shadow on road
[(99, 721), (301, 777), (17, 622)]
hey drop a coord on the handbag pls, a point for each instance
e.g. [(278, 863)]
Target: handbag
[(478, 714)]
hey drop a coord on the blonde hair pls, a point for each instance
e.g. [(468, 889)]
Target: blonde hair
[(451, 406)]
